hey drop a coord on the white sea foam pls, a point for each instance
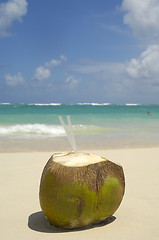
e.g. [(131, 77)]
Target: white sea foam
[(48, 130), (34, 129), (94, 104), (100, 104), (132, 104), (44, 104), (4, 103), (83, 103)]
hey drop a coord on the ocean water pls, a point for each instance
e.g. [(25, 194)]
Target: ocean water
[(129, 123)]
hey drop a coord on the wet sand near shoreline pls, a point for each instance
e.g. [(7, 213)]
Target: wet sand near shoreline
[(56, 144)]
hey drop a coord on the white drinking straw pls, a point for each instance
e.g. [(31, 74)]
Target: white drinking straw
[(72, 134), (69, 132)]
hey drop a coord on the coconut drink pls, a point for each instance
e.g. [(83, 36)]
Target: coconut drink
[(78, 189)]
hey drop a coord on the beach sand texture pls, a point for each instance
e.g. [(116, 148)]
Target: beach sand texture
[(136, 218)]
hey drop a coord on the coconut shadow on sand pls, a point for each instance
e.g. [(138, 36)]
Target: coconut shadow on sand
[(38, 222)]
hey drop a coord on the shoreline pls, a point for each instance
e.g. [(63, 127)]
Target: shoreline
[(54, 144)]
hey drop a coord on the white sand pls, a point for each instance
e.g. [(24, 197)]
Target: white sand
[(136, 218)]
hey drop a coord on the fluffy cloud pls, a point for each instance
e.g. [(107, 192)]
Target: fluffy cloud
[(42, 73), (14, 80), (147, 65), (142, 16), (52, 63), (9, 12)]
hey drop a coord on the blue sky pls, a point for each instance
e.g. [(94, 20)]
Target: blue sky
[(79, 51)]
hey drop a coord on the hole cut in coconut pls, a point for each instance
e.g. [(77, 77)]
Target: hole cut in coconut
[(72, 159)]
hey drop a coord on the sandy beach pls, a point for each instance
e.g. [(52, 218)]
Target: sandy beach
[(136, 218)]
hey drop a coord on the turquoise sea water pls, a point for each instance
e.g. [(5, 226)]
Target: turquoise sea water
[(107, 121)]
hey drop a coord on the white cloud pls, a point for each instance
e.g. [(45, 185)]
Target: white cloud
[(14, 80), (71, 82), (42, 73), (55, 62), (143, 17), (52, 63), (11, 11), (147, 65)]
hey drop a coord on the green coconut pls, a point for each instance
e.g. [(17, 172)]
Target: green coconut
[(79, 189)]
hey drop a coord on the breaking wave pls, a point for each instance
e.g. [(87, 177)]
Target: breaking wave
[(33, 129), (94, 104), (132, 104), (44, 104), (5, 103)]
